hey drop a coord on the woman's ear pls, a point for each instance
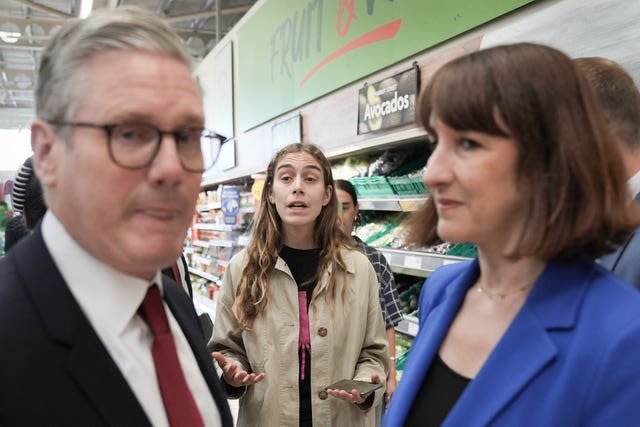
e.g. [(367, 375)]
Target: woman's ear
[(327, 195)]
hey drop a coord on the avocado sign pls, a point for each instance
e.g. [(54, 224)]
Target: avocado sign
[(388, 103)]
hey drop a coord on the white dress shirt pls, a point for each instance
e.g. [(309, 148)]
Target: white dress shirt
[(634, 184), (110, 300)]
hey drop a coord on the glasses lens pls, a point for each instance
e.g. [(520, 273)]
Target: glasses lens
[(210, 143), (134, 145)]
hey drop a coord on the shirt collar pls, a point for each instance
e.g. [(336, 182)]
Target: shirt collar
[(634, 184), (108, 297)]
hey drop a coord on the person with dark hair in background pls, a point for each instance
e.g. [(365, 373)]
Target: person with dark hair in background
[(28, 201), (620, 99), (532, 332), (300, 293), (97, 335), (392, 313)]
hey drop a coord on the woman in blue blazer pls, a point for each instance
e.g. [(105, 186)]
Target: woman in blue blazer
[(532, 332)]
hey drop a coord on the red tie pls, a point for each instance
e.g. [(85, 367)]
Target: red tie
[(176, 395)]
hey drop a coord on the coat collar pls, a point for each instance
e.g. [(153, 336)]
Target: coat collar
[(69, 328), (347, 255)]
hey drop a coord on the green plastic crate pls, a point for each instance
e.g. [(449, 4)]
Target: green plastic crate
[(407, 185), (372, 186)]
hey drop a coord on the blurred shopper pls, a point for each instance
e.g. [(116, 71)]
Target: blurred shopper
[(533, 332), (620, 98), (97, 336), (28, 201), (391, 311), (300, 290)]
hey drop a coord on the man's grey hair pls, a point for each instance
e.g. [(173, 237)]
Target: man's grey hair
[(61, 75)]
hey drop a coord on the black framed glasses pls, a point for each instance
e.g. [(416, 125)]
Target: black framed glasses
[(136, 145)]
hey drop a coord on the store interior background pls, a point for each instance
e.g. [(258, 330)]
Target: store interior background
[(26, 25), (215, 29)]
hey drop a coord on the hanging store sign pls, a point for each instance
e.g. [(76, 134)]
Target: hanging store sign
[(388, 103), (292, 52)]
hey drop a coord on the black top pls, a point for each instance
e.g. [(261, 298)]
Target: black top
[(303, 264), (440, 390)]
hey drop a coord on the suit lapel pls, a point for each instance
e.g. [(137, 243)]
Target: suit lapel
[(610, 261), (526, 347), (187, 319), (88, 361)]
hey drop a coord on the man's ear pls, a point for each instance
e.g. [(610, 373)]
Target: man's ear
[(45, 152)]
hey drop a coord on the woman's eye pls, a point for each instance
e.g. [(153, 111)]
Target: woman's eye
[(468, 144)]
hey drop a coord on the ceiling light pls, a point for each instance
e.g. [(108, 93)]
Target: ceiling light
[(9, 32), (85, 8), (9, 36)]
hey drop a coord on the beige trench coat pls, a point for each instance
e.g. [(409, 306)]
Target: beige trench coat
[(350, 344)]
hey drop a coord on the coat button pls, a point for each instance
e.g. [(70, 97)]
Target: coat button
[(323, 395), (322, 332)]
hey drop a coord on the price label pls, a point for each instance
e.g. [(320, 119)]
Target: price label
[(411, 261), (413, 328), (410, 205)]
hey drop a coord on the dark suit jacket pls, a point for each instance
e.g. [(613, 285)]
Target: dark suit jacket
[(54, 370), (187, 278), (625, 261), (569, 358)]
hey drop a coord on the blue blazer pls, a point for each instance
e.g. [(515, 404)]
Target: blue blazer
[(571, 356), (625, 261), (54, 369)]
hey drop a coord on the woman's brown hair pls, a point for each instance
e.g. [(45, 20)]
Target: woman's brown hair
[(578, 201), (262, 252)]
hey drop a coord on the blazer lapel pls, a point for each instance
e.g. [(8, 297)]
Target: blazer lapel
[(509, 368), (173, 294), (526, 347), (88, 361), (433, 329)]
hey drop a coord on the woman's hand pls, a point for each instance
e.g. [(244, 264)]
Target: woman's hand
[(392, 383), (353, 396), (233, 375)]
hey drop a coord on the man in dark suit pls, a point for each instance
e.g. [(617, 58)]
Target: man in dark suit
[(620, 100), (91, 332)]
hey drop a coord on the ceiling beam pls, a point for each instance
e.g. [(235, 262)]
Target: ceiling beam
[(194, 32), (46, 9), (41, 20), (13, 73), (207, 14), (20, 46)]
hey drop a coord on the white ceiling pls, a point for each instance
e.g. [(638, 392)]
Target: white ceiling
[(25, 26)]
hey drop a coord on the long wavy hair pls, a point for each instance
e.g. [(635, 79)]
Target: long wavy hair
[(262, 252)]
